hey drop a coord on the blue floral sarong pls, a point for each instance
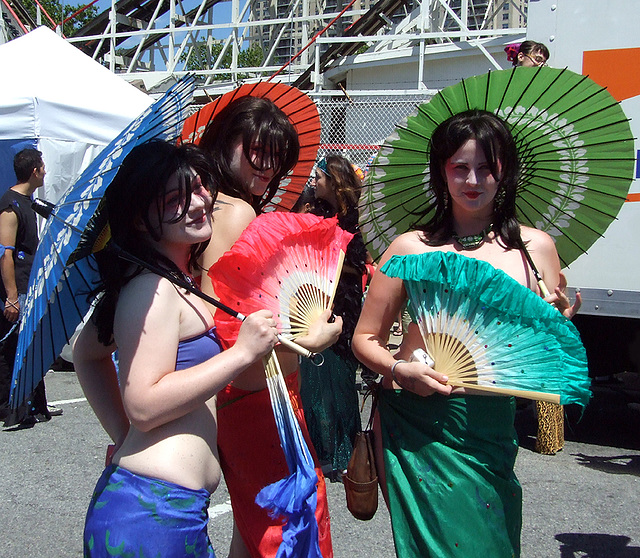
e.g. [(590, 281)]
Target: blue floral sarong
[(135, 516)]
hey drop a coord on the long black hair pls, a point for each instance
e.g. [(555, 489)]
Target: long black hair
[(499, 147), (256, 121), (137, 191)]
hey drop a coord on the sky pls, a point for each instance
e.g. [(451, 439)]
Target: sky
[(222, 11), (106, 4)]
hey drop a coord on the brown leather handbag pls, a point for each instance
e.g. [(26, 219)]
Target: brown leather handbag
[(361, 479)]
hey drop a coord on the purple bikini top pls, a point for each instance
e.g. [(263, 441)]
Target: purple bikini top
[(196, 350)]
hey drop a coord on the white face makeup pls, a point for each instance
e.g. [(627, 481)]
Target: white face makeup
[(195, 226), (471, 185)]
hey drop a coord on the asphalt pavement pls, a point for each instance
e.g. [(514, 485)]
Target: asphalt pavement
[(582, 502)]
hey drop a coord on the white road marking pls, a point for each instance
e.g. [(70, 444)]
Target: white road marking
[(219, 509), (68, 401)]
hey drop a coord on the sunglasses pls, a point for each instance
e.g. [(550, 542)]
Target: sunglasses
[(537, 60)]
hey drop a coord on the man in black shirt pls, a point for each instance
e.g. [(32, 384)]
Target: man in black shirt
[(18, 243)]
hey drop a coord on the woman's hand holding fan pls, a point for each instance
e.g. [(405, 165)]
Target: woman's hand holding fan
[(322, 333), (414, 369)]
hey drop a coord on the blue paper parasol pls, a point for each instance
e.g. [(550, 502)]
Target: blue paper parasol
[(63, 269), (294, 497)]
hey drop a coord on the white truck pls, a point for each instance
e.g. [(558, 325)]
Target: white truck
[(600, 38)]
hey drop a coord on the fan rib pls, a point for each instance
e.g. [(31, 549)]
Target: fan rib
[(286, 263), (597, 209), (534, 102), (541, 216), (282, 408), (527, 394)]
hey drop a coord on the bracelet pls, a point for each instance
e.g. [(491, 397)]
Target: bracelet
[(13, 303), (393, 371)]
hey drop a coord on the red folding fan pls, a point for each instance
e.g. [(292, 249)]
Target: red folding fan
[(288, 263), (301, 111)]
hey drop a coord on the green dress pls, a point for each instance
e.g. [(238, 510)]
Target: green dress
[(331, 408), (449, 460), (449, 469), (329, 393)]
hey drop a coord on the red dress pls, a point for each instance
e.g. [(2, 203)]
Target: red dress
[(252, 458)]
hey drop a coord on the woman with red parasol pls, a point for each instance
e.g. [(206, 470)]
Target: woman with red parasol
[(252, 136)]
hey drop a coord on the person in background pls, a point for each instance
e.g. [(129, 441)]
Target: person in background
[(252, 146), (307, 199), (528, 54), (152, 499), (449, 455), (19, 241), (329, 393)]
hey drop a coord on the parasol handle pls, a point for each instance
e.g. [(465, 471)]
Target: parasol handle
[(541, 284), (543, 287), (316, 358)]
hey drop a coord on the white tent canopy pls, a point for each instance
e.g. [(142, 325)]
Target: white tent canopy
[(59, 100)]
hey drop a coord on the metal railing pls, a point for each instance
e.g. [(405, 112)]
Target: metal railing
[(167, 38)]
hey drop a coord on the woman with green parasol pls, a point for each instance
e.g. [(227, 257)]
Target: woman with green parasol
[(449, 453)]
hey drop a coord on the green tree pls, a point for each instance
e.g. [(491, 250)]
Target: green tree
[(203, 57), (55, 10), (251, 57)]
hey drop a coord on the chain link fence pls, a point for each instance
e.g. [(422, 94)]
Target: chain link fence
[(355, 127)]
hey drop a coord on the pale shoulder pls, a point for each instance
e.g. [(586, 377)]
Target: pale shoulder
[(536, 239), (146, 294), (143, 282), (412, 242), (230, 217), (233, 211)]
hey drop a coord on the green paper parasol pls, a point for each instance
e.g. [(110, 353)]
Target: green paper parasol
[(575, 147)]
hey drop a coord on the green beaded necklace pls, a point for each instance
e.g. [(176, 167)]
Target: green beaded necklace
[(472, 241)]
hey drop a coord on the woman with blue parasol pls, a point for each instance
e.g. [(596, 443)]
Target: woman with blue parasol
[(152, 498), (448, 451)]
